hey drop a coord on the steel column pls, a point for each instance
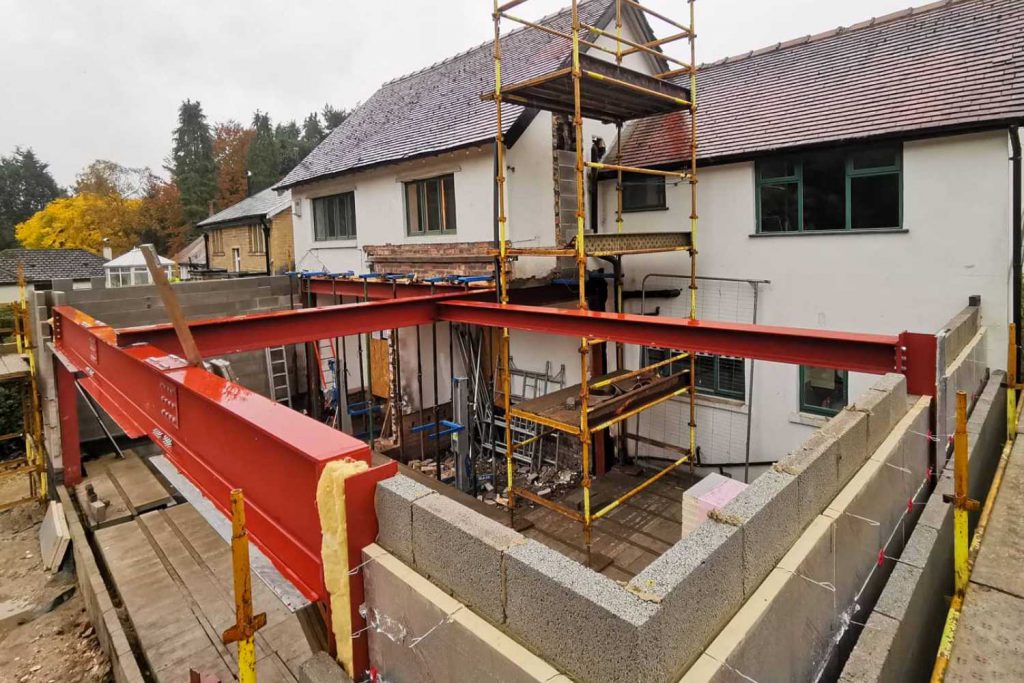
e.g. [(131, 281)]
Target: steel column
[(67, 408)]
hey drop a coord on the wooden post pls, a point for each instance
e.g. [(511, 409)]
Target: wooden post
[(173, 307)]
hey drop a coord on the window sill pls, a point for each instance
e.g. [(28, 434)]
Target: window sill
[(809, 420), (795, 233), (336, 244), (653, 208)]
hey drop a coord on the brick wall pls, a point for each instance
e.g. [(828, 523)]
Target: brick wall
[(429, 260), (236, 236), (282, 244)]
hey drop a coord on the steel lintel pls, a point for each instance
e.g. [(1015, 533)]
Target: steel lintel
[(220, 435)]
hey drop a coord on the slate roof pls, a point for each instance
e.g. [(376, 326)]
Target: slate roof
[(49, 264), (951, 65), (260, 205), (439, 108)]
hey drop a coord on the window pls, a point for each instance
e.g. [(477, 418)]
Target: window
[(823, 391), (334, 217), (858, 189), (430, 206), (217, 242), (642, 192), (715, 375), (257, 240)]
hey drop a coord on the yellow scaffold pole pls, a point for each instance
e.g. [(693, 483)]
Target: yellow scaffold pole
[(246, 624)]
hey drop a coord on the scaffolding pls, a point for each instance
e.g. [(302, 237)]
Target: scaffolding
[(602, 89)]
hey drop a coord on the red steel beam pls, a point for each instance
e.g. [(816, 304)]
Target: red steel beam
[(377, 289), (218, 336), (219, 434), (870, 353)]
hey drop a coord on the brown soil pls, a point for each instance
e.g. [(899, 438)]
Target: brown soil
[(58, 646)]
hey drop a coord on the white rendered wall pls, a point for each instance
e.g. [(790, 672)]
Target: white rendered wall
[(956, 199)]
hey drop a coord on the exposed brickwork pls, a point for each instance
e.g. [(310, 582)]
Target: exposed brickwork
[(282, 245), (430, 260), (282, 249)]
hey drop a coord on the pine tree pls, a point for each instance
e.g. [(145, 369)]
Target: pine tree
[(191, 163), (264, 156), (334, 117), (289, 146), (26, 187), (312, 133)]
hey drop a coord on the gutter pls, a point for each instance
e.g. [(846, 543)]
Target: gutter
[(1016, 225)]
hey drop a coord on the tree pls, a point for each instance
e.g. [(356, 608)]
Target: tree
[(230, 154), (264, 156), (312, 132), (191, 163), (334, 117), (26, 186), (104, 177), (161, 219), (84, 221), (289, 146)]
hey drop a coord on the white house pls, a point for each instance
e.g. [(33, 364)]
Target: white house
[(130, 270), (868, 174)]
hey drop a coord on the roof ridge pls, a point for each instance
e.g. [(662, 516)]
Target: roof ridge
[(486, 43), (839, 30)]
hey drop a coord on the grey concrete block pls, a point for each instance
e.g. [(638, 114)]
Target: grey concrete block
[(321, 668), (869, 659), (768, 511), (698, 584), (461, 550), (815, 465), (393, 500), (850, 430), (550, 598), (885, 403)]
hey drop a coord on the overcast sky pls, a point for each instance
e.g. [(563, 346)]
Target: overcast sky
[(102, 79)]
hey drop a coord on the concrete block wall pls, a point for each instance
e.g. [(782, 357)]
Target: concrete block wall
[(133, 306), (656, 626), (793, 626), (960, 364), (902, 632)]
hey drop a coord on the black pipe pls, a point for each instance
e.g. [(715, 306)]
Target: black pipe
[(1016, 226), (266, 242), (597, 150)]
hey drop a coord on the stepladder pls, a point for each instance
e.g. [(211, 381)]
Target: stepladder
[(277, 375)]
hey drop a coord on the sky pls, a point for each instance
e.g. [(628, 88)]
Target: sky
[(102, 79)]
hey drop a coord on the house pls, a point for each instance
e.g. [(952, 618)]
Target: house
[(130, 269), (853, 180), (44, 265), (253, 236), (192, 258)]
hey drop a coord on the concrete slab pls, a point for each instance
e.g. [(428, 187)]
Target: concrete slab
[(461, 550), (989, 642), (1002, 553)]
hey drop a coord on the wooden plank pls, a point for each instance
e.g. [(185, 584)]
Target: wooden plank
[(13, 366), (380, 368)]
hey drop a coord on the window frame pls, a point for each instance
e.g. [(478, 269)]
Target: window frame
[(647, 358), (655, 179), (850, 173), (420, 184), (257, 239), (217, 242), (818, 410), (351, 233)]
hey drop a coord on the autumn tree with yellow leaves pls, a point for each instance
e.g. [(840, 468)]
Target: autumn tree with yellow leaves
[(84, 221)]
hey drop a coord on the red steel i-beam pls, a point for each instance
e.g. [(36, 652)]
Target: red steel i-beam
[(220, 435)]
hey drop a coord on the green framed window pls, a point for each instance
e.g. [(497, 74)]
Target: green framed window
[(714, 375), (643, 192), (334, 217), (823, 391), (430, 206), (832, 190)]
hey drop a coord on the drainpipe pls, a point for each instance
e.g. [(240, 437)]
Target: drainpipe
[(266, 241), (206, 248), (1016, 226), (597, 150)]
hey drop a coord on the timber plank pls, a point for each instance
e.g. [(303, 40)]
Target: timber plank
[(142, 488)]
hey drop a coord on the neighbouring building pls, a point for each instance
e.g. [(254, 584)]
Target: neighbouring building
[(192, 259), (130, 269), (252, 237), (863, 177), (44, 265)]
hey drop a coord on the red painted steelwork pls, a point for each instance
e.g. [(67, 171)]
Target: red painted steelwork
[(220, 435), (869, 353), (218, 336), (378, 290), (67, 409)]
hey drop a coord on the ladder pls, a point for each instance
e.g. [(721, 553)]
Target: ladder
[(328, 364), (277, 375)]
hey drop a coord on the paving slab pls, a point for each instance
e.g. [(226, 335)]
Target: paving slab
[(989, 644), (1002, 551)]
